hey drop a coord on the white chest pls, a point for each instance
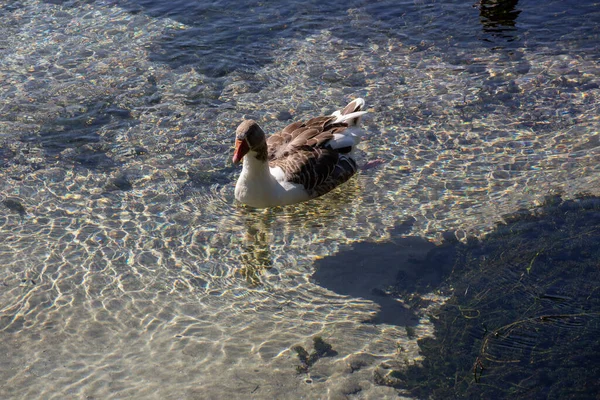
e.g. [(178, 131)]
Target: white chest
[(260, 186)]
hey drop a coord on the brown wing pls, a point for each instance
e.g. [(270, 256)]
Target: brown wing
[(300, 151), (313, 133), (310, 167), (343, 170)]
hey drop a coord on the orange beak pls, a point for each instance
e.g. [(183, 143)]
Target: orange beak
[(241, 149)]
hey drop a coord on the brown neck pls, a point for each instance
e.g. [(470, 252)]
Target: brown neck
[(261, 151)]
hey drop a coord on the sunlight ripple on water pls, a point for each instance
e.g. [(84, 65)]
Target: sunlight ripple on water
[(129, 271)]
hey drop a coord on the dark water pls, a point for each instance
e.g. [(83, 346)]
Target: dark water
[(227, 36), (130, 272)]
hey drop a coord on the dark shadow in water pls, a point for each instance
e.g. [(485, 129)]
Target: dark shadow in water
[(225, 36), (5, 156), (523, 318), (499, 18), (75, 137), (379, 271)]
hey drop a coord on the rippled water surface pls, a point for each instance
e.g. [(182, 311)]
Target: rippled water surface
[(128, 271)]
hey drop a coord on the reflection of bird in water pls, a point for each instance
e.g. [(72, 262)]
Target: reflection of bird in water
[(498, 16), (305, 160), (256, 256), (335, 211)]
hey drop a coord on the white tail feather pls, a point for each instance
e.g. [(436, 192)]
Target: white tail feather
[(360, 103), (347, 117), (351, 113)]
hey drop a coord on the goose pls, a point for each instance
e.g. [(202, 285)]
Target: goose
[(305, 160)]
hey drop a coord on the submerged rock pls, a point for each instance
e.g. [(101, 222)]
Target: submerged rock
[(14, 205)]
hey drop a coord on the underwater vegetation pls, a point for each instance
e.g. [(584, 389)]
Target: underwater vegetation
[(523, 319), (320, 349)]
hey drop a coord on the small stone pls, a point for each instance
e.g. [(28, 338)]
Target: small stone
[(120, 183), (14, 205), (283, 115)]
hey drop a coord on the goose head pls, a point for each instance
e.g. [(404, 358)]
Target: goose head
[(250, 138)]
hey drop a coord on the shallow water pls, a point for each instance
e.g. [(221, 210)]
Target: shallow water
[(129, 271)]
